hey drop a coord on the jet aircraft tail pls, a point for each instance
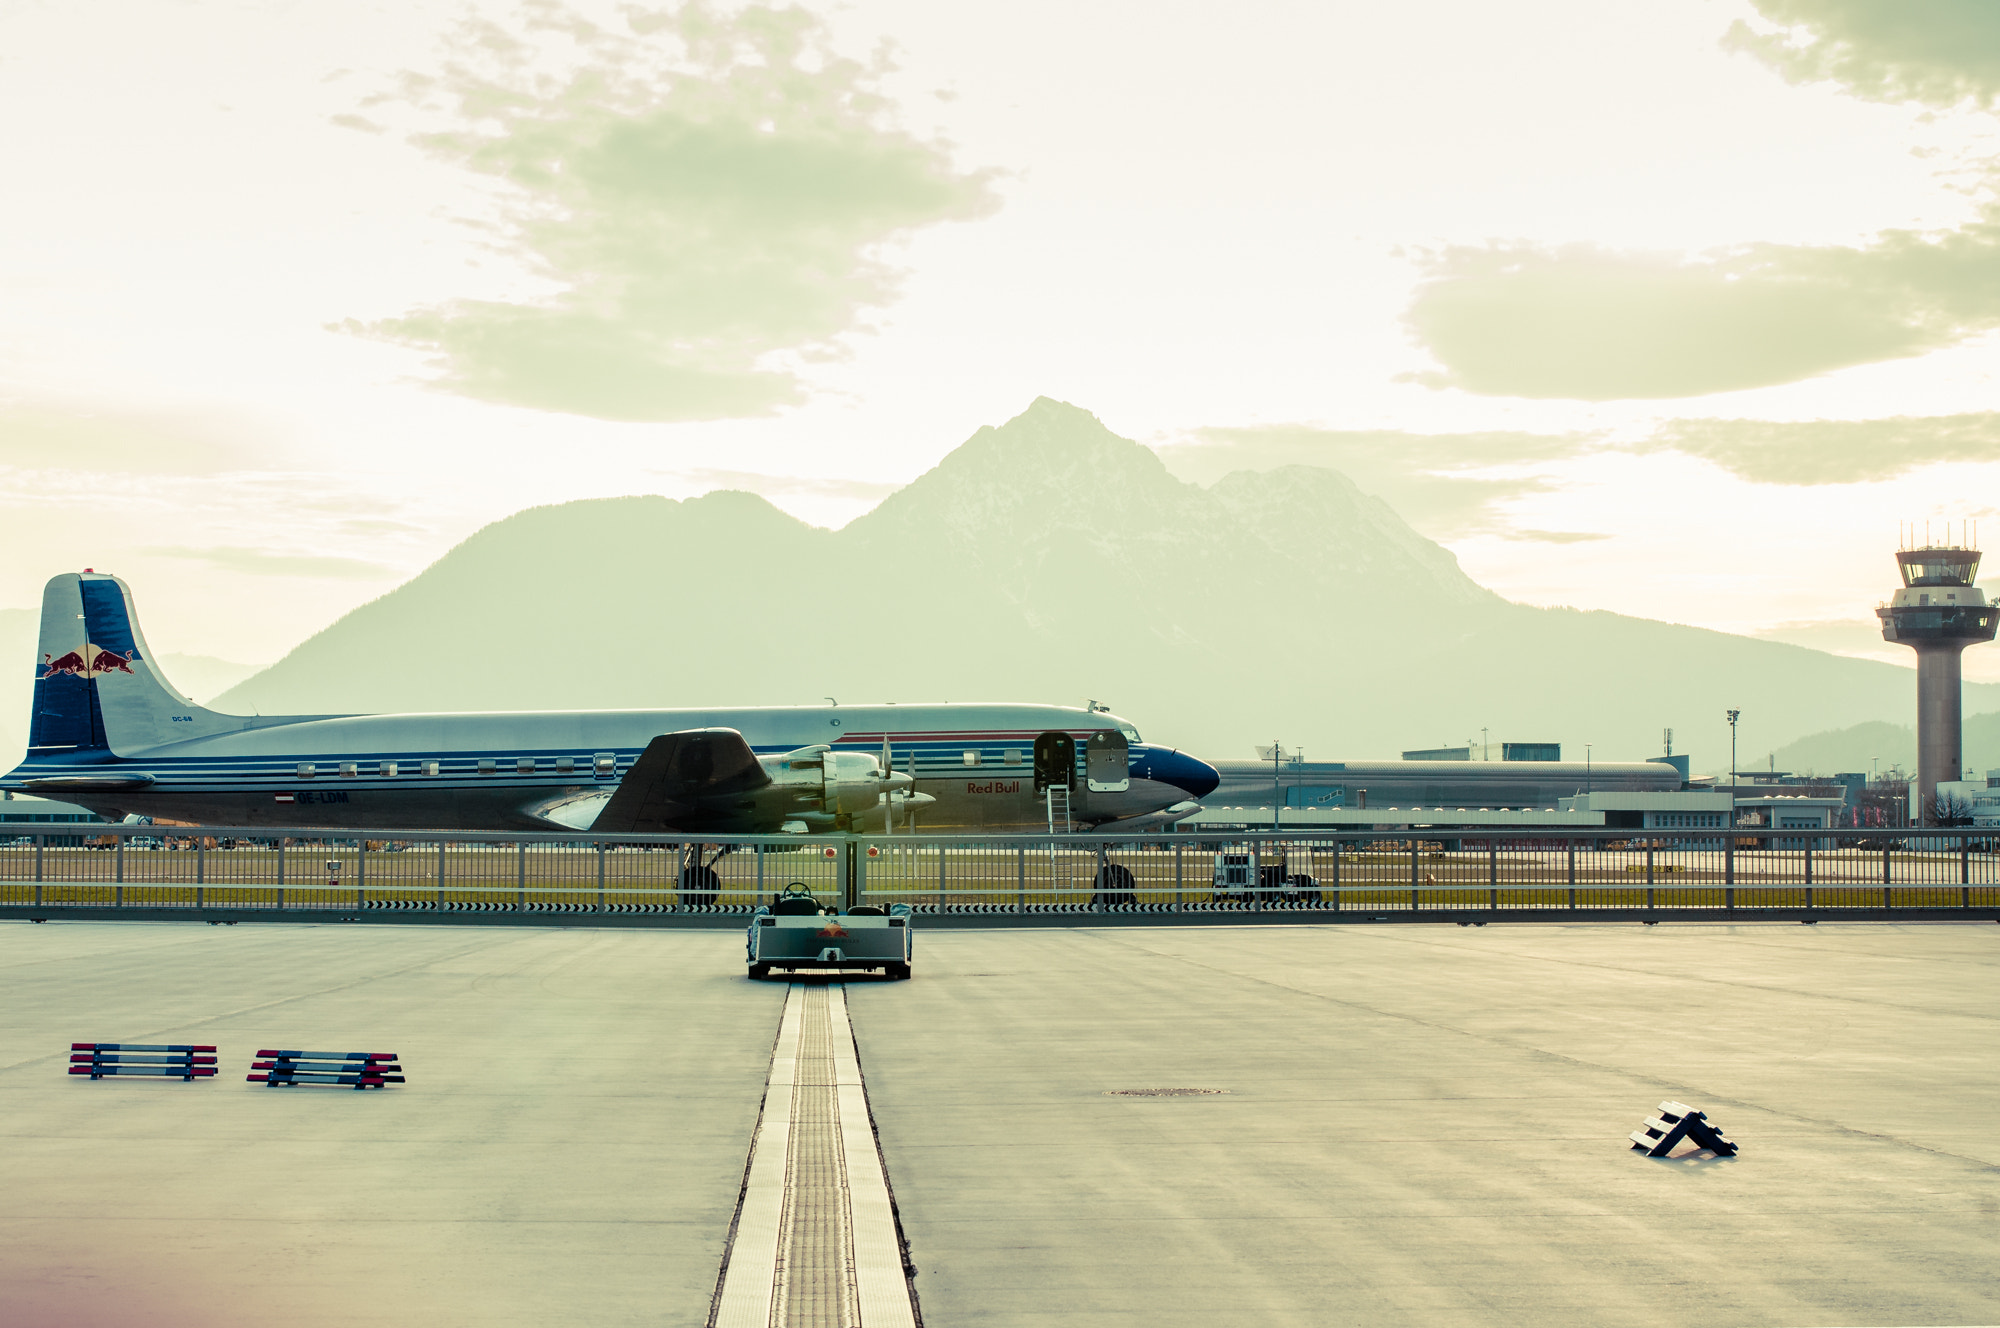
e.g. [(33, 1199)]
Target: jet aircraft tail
[(97, 686)]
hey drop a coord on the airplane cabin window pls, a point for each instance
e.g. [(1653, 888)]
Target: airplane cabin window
[(306, 770), (487, 765), (524, 765), (607, 763), (388, 770), (430, 767), (349, 769), (565, 765), (972, 758), (1013, 756)]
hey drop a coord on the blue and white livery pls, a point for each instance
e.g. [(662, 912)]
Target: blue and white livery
[(110, 732)]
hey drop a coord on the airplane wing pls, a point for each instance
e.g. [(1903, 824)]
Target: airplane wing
[(679, 776)]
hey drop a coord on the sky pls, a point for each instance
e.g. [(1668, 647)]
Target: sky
[(1683, 308)]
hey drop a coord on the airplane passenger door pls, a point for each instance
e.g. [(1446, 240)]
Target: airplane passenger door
[(1105, 768), (1055, 762)]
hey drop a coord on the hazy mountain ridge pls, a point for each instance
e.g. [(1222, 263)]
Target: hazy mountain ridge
[(1048, 559), (1879, 745)]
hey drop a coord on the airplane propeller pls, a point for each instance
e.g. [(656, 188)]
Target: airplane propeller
[(906, 797), (888, 799)]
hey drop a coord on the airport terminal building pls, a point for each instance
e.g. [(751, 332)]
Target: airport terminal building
[(1499, 785)]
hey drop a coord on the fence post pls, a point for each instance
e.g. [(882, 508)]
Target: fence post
[(1965, 873), (1493, 875), (1886, 898), (361, 874), (944, 860), (281, 871), (600, 877), (440, 880), (1570, 845), (119, 870), (1649, 874), (760, 874), (41, 841), (1415, 904), (1021, 877), (1809, 863), (520, 876), (200, 872), (1729, 871), (1336, 875)]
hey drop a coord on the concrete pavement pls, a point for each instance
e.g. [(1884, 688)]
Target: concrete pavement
[(1419, 1125), (568, 1148), (1426, 1125)]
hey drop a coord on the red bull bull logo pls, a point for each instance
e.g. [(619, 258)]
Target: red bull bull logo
[(90, 662)]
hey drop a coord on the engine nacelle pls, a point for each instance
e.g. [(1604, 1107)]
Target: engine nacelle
[(833, 783)]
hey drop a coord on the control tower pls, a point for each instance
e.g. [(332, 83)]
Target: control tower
[(1938, 613)]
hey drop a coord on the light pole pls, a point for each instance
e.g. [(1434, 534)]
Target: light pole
[(1485, 747), (1586, 767), (1732, 746)]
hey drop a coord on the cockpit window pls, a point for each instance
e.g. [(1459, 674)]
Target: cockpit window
[(1131, 734)]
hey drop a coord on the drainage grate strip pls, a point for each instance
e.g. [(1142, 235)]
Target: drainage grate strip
[(815, 1243)]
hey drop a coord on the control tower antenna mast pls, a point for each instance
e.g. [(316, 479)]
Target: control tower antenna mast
[(1938, 613)]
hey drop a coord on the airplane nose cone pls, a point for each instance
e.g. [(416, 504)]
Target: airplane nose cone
[(1169, 766)]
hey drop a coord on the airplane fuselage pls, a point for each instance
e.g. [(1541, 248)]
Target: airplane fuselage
[(545, 770)]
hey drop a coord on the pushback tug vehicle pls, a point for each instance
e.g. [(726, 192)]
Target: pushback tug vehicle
[(797, 932)]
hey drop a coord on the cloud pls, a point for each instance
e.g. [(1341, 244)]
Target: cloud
[(1595, 324), (706, 190), (1446, 485), (1558, 536), (1422, 476), (259, 562), (1942, 52), (75, 437), (1832, 451)]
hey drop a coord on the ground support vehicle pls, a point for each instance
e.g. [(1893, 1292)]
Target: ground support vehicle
[(798, 933), (1245, 875)]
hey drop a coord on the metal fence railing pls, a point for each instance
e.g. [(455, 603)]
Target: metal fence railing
[(151, 867), (1380, 873)]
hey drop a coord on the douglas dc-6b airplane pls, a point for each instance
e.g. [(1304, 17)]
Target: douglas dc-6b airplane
[(111, 733)]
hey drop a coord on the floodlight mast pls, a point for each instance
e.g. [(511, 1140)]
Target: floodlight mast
[(1938, 613)]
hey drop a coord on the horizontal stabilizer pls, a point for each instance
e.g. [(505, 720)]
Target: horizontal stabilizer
[(676, 775)]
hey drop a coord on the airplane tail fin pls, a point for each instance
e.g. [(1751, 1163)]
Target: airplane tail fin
[(96, 685)]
